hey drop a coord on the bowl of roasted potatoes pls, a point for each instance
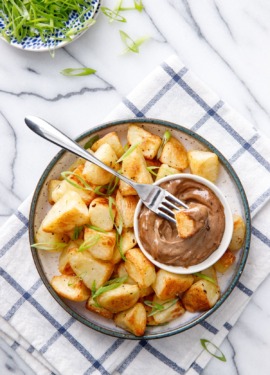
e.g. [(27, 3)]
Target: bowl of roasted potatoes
[(88, 255)]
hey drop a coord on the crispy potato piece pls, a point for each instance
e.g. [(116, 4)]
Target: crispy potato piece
[(208, 272), (186, 226), (50, 239), (201, 296), (67, 213), (122, 272), (64, 264), (128, 241), (149, 143), (239, 232), (225, 262), (140, 268), (204, 163), (119, 299), (70, 287), (52, 184), (125, 207), (113, 140), (94, 174), (104, 243), (174, 154), (171, 311), (134, 167), (100, 215), (64, 187), (165, 170), (92, 306), (132, 320), (167, 285), (90, 269)]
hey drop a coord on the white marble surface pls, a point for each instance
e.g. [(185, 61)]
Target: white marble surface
[(226, 43)]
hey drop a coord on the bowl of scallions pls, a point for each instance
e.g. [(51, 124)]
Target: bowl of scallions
[(35, 25)]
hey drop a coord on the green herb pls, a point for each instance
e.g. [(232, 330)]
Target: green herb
[(138, 5), (166, 137), (91, 141), (72, 72), (42, 18), (90, 242), (96, 228), (119, 245), (110, 188), (113, 15), (49, 246), (157, 307), (151, 170), (132, 45), (206, 343), (93, 288), (109, 285), (205, 277), (128, 152), (76, 233), (85, 186)]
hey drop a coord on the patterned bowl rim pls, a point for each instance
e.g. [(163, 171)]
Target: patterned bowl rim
[(242, 261)]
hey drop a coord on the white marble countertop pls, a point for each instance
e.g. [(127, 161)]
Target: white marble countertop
[(226, 43)]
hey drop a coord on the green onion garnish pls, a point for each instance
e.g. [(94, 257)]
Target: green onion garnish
[(138, 5), (56, 246), (157, 307), (91, 141), (166, 137), (96, 228), (128, 152), (85, 186), (76, 233), (72, 72), (90, 242), (132, 45), (109, 285), (151, 170), (113, 15), (205, 277), (206, 344)]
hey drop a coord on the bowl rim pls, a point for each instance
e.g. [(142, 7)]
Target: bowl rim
[(242, 261), (226, 238)]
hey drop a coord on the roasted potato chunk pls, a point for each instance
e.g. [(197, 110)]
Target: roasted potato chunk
[(125, 207), (132, 320), (165, 170), (134, 167), (208, 272), (67, 213), (149, 143), (95, 174), (172, 310), (140, 268), (70, 287), (225, 262), (167, 285), (239, 232), (119, 299), (174, 154), (50, 239), (100, 215), (91, 305), (201, 296), (111, 139), (101, 243), (64, 264), (204, 164), (186, 226)]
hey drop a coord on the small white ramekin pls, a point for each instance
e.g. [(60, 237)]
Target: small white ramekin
[(217, 254)]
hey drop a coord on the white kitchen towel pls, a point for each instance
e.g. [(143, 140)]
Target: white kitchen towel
[(53, 342)]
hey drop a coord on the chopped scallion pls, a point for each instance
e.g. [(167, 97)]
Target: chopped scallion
[(54, 246), (210, 348), (77, 72), (166, 137), (132, 45)]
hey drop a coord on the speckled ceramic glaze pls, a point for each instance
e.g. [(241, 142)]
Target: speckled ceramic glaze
[(47, 263), (36, 44)]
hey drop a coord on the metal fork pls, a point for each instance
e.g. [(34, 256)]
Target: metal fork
[(154, 197)]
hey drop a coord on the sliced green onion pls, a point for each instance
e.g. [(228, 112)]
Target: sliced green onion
[(206, 344), (166, 137), (113, 15), (151, 170), (128, 152), (90, 242), (138, 5), (132, 45), (86, 186), (109, 285), (110, 188), (76, 233), (111, 203), (119, 245), (96, 228), (205, 277), (91, 141), (72, 72), (49, 246), (157, 307)]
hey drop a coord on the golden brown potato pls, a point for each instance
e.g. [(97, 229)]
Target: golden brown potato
[(149, 143), (172, 310), (186, 226), (128, 241), (239, 232), (89, 269), (70, 287), (201, 296), (101, 243), (167, 285), (225, 262), (134, 167), (132, 320), (113, 140), (119, 299), (100, 214), (165, 170), (140, 268), (92, 306), (94, 174), (64, 264), (174, 154), (204, 164), (121, 271), (208, 272), (67, 213), (125, 207)]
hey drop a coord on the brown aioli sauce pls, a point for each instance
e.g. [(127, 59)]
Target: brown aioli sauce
[(160, 237)]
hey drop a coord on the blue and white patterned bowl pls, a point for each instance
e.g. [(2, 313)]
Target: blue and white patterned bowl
[(37, 45)]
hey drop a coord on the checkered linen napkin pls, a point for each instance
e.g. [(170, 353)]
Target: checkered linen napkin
[(50, 340)]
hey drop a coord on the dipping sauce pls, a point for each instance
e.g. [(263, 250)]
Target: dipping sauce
[(160, 237)]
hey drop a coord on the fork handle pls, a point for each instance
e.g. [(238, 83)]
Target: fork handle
[(50, 133)]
